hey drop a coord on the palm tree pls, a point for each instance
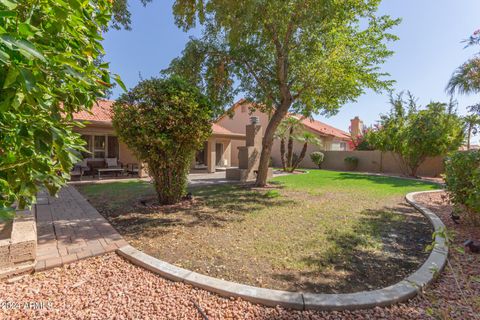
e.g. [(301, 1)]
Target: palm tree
[(307, 138), (466, 78), (288, 129), (472, 123), (282, 134)]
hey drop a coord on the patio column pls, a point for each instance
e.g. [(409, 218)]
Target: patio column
[(227, 153), (211, 156)]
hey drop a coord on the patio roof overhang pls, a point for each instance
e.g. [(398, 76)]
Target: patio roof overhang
[(231, 136), (217, 131)]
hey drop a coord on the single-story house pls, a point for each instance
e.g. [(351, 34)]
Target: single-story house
[(332, 139), (221, 149), (102, 141)]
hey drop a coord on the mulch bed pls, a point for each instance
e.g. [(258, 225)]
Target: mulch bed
[(110, 287)]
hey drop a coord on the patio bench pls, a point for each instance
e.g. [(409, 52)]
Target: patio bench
[(114, 170)]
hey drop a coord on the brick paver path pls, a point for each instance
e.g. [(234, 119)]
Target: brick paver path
[(69, 229)]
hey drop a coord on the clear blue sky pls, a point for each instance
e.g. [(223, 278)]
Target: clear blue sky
[(427, 53)]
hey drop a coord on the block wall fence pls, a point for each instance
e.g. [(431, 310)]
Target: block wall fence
[(372, 161)]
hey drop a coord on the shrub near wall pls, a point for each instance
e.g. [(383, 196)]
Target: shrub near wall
[(462, 176)]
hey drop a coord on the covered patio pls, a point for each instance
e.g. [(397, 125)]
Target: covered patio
[(104, 148), (217, 150)]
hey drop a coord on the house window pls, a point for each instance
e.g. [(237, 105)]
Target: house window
[(343, 146), (244, 108), (99, 147)]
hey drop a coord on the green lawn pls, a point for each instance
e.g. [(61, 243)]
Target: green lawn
[(323, 231)]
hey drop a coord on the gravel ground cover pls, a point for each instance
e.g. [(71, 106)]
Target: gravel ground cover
[(109, 287)]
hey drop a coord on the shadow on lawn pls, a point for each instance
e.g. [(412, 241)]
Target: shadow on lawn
[(216, 206), (346, 266), (390, 181)]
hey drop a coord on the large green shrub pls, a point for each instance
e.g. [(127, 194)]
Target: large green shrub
[(317, 157), (415, 133), (462, 176), (49, 53), (164, 121)]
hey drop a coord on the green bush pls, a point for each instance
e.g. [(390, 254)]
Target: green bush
[(317, 158), (462, 177), (164, 121), (351, 163), (49, 70)]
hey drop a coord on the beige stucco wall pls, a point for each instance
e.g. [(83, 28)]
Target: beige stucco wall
[(241, 117), (297, 149), (237, 123), (376, 161)]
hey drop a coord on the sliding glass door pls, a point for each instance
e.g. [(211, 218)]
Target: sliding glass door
[(100, 147)]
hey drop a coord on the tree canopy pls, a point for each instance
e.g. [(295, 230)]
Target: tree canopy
[(302, 56), (414, 133), (48, 51), (466, 78)]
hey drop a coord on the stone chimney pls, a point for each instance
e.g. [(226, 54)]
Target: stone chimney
[(356, 127)]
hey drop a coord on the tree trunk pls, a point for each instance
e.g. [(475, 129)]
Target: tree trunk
[(170, 183), (301, 157), (290, 148), (282, 153), (267, 141), (469, 136), (414, 170)]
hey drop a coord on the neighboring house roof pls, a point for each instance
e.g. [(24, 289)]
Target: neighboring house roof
[(101, 113), (315, 125), (325, 129)]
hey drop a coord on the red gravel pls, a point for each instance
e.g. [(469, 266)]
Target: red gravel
[(109, 287)]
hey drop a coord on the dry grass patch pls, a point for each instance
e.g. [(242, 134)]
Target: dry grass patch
[(319, 232)]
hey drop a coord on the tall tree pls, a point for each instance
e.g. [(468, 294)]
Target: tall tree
[(472, 123), (48, 71), (414, 134), (121, 16), (303, 56), (466, 78)]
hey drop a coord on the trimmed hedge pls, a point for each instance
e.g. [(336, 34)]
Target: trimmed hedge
[(317, 157)]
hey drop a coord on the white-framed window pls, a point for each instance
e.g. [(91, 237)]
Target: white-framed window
[(100, 146), (338, 146)]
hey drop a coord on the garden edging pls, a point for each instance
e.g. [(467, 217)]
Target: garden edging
[(399, 292)]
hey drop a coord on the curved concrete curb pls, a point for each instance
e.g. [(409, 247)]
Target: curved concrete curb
[(398, 292)]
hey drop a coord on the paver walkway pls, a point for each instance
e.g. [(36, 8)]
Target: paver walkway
[(70, 229)]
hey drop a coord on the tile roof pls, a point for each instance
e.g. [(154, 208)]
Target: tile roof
[(218, 129), (102, 112), (315, 125), (325, 129)]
